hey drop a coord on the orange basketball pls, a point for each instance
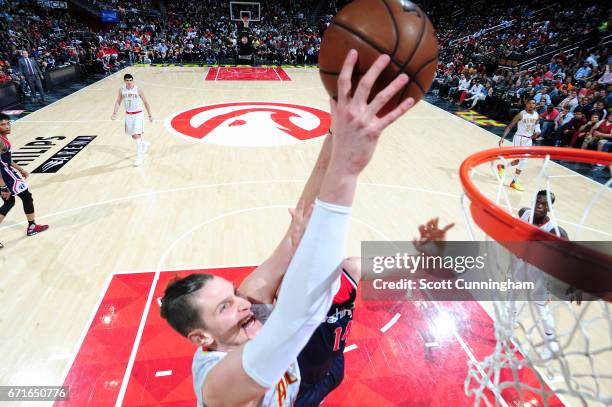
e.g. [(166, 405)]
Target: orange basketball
[(398, 28)]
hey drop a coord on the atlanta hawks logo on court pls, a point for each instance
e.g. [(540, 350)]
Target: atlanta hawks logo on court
[(250, 124)]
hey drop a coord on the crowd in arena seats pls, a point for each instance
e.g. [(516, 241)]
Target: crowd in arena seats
[(573, 91)]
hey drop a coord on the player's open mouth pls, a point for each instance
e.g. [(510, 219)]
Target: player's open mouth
[(248, 322)]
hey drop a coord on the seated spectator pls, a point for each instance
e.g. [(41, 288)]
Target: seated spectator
[(583, 73), (583, 106), (560, 122), (543, 93), (547, 124), (599, 135), (600, 109), (583, 131), (569, 130)]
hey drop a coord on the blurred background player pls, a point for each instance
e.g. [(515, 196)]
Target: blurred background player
[(12, 182), (528, 129), (523, 271), (133, 99)]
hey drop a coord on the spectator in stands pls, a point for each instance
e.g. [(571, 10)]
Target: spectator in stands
[(600, 109), (547, 124), (569, 130), (543, 93), (583, 73), (560, 122), (583, 131), (571, 101), (599, 135)]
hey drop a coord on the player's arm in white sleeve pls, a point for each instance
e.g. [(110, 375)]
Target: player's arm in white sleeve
[(263, 283), (313, 274), (509, 128), (146, 104), (117, 104)]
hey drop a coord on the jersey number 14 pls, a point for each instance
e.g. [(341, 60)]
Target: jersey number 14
[(339, 336)]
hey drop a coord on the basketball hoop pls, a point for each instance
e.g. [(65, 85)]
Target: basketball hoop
[(572, 370)]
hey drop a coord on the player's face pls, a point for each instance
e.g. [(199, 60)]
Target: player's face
[(227, 315), (541, 207), (5, 127), (531, 105), (129, 83)]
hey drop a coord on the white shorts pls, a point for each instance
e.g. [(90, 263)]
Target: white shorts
[(522, 141), (134, 123)]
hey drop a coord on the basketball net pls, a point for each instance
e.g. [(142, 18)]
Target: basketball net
[(530, 367)]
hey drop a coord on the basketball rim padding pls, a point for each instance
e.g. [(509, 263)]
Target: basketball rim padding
[(575, 263)]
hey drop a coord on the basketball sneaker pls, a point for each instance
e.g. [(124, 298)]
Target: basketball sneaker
[(500, 170), (516, 185), (35, 229)]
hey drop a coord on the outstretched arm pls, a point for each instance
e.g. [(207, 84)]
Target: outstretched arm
[(313, 274)]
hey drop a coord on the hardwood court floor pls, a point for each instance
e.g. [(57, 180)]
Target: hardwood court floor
[(195, 205)]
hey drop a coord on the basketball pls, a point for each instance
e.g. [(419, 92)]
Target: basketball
[(398, 28)]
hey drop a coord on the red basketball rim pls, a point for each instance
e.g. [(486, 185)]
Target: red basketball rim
[(572, 262)]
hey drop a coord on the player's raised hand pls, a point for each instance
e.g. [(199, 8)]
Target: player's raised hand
[(356, 126), (431, 232)]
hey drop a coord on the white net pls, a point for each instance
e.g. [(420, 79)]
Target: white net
[(549, 350)]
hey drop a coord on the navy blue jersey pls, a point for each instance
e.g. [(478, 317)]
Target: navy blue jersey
[(328, 341), (12, 180)]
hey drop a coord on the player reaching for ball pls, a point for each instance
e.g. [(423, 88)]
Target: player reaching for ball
[(133, 99), (260, 359)]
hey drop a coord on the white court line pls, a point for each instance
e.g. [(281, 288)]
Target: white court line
[(286, 73), (565, 176), (277, 75), (217, 73), (392, 322), (163, 373), (77, 348), (350, 348), (128, 370)]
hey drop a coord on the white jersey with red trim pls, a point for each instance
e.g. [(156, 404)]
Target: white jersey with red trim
[(283, 394), (131, 99), (529, 124)]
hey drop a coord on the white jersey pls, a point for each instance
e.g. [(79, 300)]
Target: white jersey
[(529, 124), (131, 99), (283, 394), (547, 227)]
